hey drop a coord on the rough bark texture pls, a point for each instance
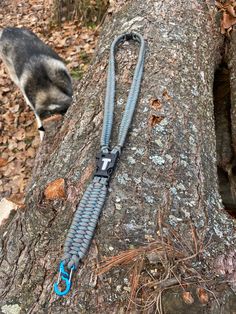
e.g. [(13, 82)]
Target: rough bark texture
[(165, 184)]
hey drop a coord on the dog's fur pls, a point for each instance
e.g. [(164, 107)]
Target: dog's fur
[(38, 71)]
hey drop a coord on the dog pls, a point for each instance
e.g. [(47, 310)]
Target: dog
[(38, 71)]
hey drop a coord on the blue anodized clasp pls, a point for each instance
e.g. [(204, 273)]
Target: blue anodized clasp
[(63, 276)]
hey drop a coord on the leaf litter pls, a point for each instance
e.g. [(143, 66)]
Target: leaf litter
[(228, 20), (19, 138)]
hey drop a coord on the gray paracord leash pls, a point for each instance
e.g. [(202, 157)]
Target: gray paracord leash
[(87, 213)]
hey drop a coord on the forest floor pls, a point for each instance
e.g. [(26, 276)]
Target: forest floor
[(19, 138)]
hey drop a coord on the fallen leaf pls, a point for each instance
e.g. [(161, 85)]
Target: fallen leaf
[(153, 120), (31, 152), (21, 145), (230, 10), (202, 295), (187, 297), (3, 162), (19, 135), (166, 95), (155, 104), (55, 189), (18, 199), (227, 21)]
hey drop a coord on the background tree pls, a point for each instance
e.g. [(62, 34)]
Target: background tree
[(163, 223), (86, 11)]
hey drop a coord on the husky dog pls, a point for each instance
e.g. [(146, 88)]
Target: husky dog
[(38, 71)]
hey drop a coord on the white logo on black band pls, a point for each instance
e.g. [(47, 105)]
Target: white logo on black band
[(105, 163)]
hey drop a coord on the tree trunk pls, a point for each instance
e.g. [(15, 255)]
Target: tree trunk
[(85, 11), (164, 209)]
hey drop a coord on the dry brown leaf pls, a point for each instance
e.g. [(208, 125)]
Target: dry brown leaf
[(12, 144), (31, 152), (230, 10), (187, 297), (15, 109), (227, 21), (155, 104), (5, 90), (166, 95), (18, 199), (55, 189), (9, 117), (19, 135), (19, 183), (202, 295), (21, 145), (3, 162), (154, 119)]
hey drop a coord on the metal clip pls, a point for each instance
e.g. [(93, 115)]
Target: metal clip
[(105, 164), (63, 276)]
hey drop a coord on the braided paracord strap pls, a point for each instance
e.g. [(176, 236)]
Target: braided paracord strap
[(87, 213), (84, 222)]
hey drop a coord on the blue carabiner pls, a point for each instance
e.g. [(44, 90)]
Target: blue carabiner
[(63, 276)]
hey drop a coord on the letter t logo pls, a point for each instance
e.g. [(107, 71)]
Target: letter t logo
[(105, 163)]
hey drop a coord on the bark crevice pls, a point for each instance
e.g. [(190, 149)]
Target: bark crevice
[(224, 149), (224, 112)]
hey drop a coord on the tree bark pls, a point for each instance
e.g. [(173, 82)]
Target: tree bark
[(164, 197)]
